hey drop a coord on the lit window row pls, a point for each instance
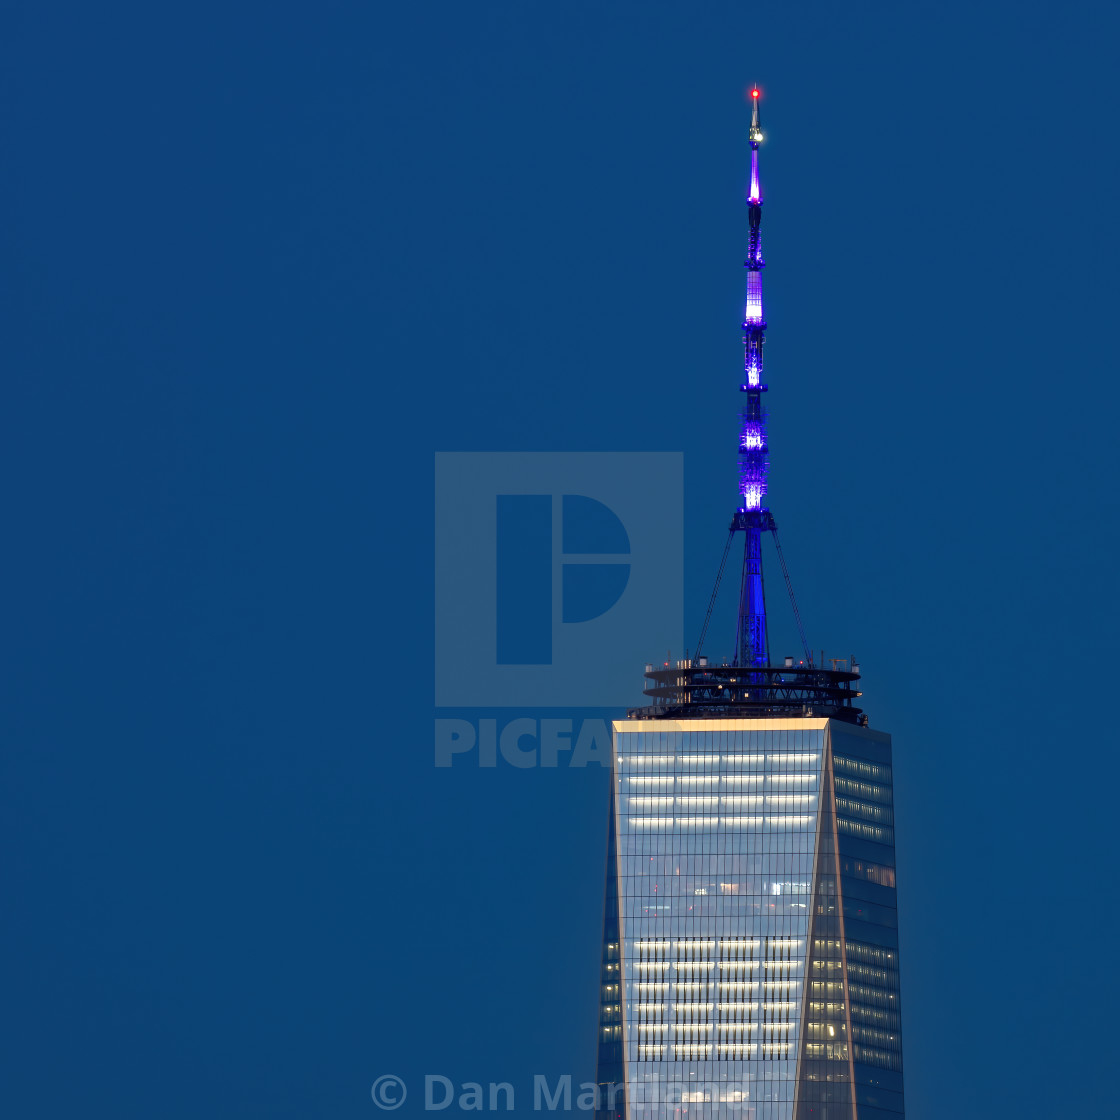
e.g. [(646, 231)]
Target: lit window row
[(783, 987), (703, 944), (786, 760), (831, 1051), (864, 790), (872, 954), (866, 810), (858, 768), (869, 975), (887, 1020), (866, 831), (872, 872), (707, 781), (872, 1056), (861, 993), (734, 1030), (683, 1050), (699, 1007), (783, 821), (737, 801), (869, 1036), (725, 1030)]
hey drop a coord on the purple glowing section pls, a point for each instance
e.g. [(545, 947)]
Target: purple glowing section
[(754, 250), (752, 496), (753, 313), (751, 437), (753, 465), (753, 455), (752, 364)]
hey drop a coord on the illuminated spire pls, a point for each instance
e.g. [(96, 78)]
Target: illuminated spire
[(756, 139), (751, 645)]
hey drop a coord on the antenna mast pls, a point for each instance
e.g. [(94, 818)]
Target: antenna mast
[(752, 649)]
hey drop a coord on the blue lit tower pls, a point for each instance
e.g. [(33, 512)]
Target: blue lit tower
[(751, 645)]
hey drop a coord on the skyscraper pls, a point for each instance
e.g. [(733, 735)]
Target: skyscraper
[(750, 945)]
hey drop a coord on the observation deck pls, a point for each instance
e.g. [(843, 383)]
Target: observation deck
[(696, 690)]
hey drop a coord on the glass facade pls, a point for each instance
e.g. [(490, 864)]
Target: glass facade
[(750, 954)]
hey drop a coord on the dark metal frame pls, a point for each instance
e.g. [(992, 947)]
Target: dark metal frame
[(700, 691)]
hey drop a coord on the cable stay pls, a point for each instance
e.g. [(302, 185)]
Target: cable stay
[(792, 599), (715, 592), (789, 588)]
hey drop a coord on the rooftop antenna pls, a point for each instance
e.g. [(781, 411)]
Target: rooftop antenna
[(752, 648), (752, 518)]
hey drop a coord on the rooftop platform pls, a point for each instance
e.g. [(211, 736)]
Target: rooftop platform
[(696, 690)]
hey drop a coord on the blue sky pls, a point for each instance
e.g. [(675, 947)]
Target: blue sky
[(261, 262)]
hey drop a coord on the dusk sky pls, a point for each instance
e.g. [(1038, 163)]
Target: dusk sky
[(262, 262)]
